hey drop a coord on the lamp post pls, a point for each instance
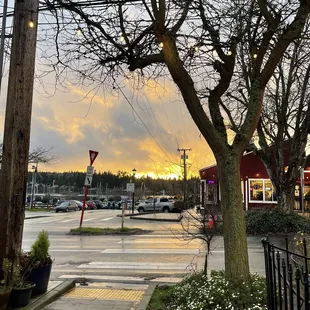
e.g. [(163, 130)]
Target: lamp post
[(133, 192), (35, 170)]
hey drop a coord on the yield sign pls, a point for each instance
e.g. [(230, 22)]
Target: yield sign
[(92, 156)]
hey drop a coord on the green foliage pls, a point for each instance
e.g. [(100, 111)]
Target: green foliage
[(275, 222), (199, 292), (106, 231), (161, 298), (37, 198), (297, 245), (18, 278), (39, 250), (46, 199), (7, 270)]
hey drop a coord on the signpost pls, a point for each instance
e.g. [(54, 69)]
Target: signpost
[(88, 179), (130, 187)]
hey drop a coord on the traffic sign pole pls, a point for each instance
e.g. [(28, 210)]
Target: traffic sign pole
[(88, 179), (84, 203)]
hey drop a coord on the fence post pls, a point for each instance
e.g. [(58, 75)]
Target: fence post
[(274, 281), (305, 275), (265, 243), (290, 277), (284, 284), (298, 288), (279, 279)]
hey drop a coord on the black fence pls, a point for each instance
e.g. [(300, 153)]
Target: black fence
[(287, 277)]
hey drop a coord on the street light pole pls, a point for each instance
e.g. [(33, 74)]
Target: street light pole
[(133, 192), (34, 178)]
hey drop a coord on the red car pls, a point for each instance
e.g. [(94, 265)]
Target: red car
[(90, 205)]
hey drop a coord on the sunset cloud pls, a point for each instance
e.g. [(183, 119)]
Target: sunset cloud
[(142, 130)]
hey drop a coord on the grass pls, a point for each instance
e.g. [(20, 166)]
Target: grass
[(160, 298), (107, 231)]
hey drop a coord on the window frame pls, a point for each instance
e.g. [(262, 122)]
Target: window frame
[(264, 201)]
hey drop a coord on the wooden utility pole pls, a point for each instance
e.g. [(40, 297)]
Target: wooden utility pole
[(14, 169), (184, 157)]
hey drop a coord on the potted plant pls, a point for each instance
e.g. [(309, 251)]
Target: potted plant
[(5, 286), (21, 290), (38, 264)]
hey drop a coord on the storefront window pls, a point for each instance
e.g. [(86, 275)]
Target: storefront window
[(262, 190), (257, 190), (268, 190)]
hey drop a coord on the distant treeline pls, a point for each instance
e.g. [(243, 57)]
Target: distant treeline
[(75, 181)]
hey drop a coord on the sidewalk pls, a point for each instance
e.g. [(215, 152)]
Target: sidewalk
[(132, 294), (110, 296)]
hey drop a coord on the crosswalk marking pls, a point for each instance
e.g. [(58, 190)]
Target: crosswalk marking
[(140, 265), (107, 219), (49, 221), (88, 220), (121, 279), (151, 251), (67, 221)]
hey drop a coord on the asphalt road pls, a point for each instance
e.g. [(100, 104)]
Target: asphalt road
[(162, 253)]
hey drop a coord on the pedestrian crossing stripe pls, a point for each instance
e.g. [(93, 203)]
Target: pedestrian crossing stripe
[(103, 294)]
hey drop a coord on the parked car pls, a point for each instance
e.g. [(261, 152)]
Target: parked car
[(90, 205), (66, 206), (98, 204), (39, 204), (159, 204), (79, 204), (105, 205)]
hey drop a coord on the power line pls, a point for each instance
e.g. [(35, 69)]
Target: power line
[(165, 153)]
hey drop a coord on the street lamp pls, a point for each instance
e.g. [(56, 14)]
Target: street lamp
[(133, 192), (35, 170)]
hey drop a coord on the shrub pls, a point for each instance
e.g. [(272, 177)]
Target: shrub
[(275, 222), (199, 292), (39, 250)]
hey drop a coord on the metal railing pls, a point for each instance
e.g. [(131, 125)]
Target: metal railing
[(287, 277)]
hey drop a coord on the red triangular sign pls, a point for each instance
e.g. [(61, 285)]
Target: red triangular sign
[(92, 156)]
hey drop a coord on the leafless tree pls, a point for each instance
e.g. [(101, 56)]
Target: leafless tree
[(39, 154), (43, 155), (203, 226), (285, 122), (220, 54)]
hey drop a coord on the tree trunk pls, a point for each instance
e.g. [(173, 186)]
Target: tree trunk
[(286, 198), (205, 267), (235, 241)]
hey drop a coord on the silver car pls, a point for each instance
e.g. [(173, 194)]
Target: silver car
[(67, 206)]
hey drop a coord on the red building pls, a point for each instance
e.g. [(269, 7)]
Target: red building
[(257, 189)]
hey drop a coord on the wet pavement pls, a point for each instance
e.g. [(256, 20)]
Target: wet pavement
[(164, 253)]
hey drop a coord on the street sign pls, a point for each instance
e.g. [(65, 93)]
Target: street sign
[(87, 183), (92, 156), (90, 171), (130, 187), (88, 180)]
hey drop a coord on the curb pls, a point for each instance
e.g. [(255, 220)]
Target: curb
[(50, 296), (147, 297), (137, 214), (157, 220), (35, 217)]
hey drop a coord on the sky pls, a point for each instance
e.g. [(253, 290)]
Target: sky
[(139, 128), (142, 131)]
